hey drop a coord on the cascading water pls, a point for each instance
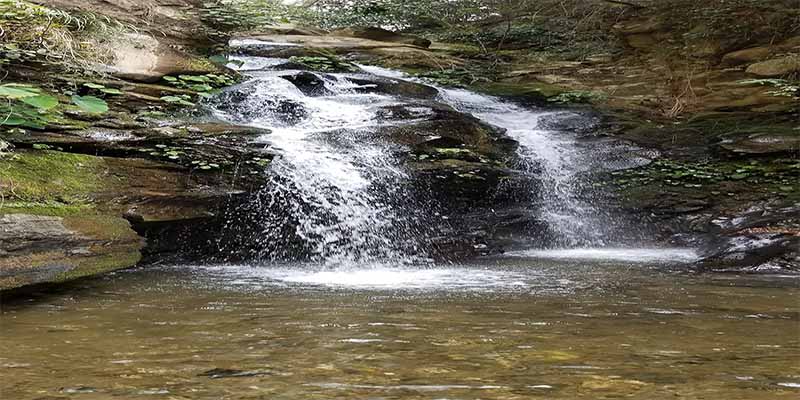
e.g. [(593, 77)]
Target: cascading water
[(341, 189), (335, 182), (554, 157)]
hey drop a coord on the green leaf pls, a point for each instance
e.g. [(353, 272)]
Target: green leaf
[(201, 88), (91, 85), (194, 78), (221, 60), (13, 91), (177, 100), (170, 78), (111, 91), (90, 104), (42, 102)]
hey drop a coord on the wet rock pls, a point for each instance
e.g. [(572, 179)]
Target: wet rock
[(766, 143), (775, 68), (769, 252), (397, 55), (255, 99), (763, 238), (383, 35), (394, 87), (309, 83)]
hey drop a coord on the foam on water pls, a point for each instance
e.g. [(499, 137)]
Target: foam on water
[(376, 277), (642, 255)]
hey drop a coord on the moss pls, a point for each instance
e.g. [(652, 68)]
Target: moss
[(538, 91), (50, 176), (101, 226), (98, 244), (46, 208), (101, 264)]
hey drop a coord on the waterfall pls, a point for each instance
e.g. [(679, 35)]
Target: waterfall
[(340, 188), (333, 180), (554, 157)]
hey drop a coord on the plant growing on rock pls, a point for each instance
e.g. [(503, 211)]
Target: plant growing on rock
[(30, 107), (324, 63), (37, 34)]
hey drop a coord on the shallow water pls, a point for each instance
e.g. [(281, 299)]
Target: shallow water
[(515, 328)]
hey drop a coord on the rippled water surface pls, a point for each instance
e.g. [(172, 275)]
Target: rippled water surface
[(508, 329)]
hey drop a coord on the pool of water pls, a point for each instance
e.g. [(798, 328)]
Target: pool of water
[(513, 328)]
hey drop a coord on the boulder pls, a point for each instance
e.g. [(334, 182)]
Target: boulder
[(757, 252), (776, 67), (383, 35), (255, 99), (142, 58), (746, 56), (309, 83), (394, 87), (766, 143)]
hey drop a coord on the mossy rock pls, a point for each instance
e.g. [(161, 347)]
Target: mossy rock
[(38, 249), (45, 176)]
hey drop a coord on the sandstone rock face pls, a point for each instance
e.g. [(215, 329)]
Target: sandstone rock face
[(776, 67), (36, 249), (142, 58), (383, 35), (390, 54)]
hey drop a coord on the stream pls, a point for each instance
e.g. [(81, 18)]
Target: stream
[(345, 301)]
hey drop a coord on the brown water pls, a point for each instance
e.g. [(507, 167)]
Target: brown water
[(511, 329)]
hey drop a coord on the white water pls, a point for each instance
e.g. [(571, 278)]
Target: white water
[(642, 255), (341, 185), (335, 179), (553, 156)]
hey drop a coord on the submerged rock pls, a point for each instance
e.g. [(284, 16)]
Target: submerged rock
[(218, 373)]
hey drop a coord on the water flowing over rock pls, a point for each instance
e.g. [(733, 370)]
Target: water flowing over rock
[(379, 167)]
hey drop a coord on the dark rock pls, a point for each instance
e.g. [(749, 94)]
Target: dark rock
[(309, 83), (767, 252), (394, 87), (255, 99)]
